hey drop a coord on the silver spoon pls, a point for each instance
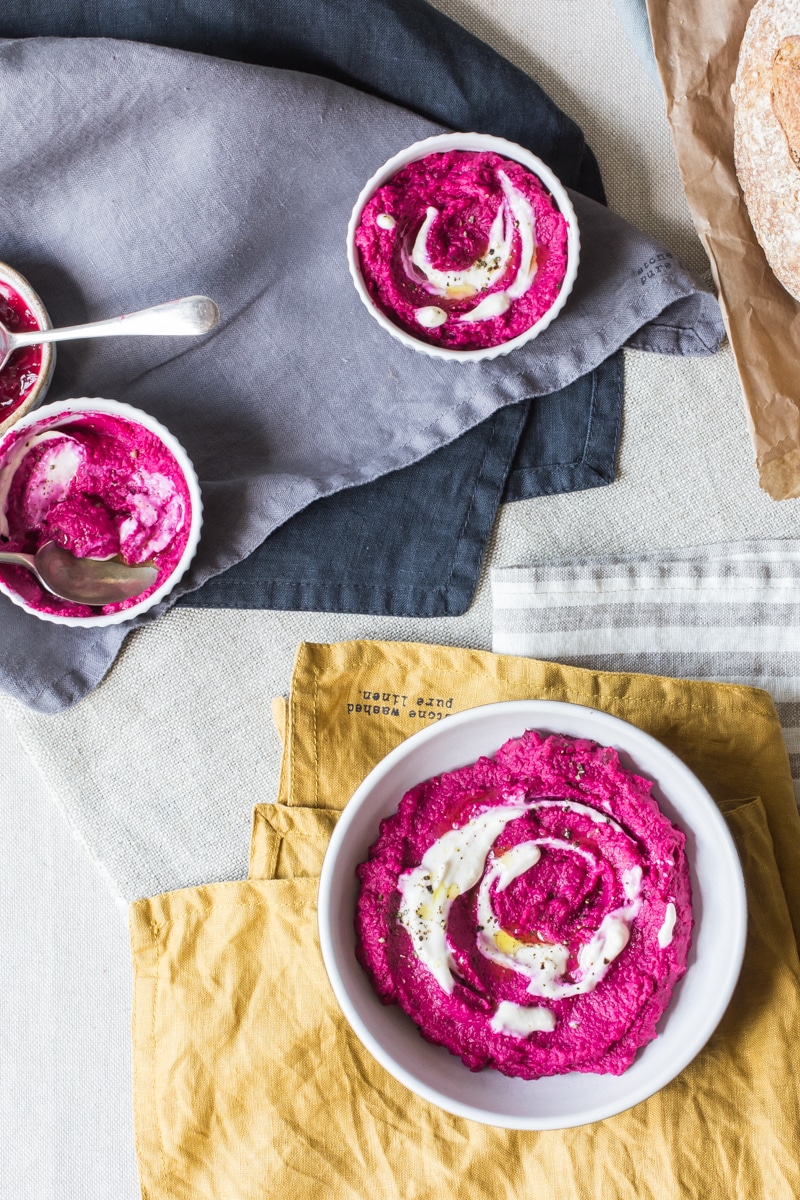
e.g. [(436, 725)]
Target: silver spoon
[(191, 315), (92, 581)]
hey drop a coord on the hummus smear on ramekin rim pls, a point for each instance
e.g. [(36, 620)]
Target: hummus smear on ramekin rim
[(531, 912), (464, 249), (20, 373)]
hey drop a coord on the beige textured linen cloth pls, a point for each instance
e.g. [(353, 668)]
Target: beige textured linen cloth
[(729, 613), (248, 1081)]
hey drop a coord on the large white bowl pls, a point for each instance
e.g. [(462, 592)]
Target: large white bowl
[(698, 1001), (54, 415), (440, 144)]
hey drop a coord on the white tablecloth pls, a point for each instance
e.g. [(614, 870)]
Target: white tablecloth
[(66, 1127)]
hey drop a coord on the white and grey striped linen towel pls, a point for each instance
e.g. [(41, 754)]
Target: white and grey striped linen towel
[(725, 612)]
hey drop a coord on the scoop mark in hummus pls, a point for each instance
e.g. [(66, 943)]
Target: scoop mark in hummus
[(476, 277), (63, 465), (585, 810)]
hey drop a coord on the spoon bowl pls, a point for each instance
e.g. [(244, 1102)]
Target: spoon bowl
[(92, 581)]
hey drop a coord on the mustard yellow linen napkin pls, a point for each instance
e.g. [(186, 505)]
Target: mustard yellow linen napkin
[(248, 1081)]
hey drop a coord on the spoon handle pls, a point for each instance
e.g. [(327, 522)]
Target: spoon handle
[(18, 560), (191, 315)]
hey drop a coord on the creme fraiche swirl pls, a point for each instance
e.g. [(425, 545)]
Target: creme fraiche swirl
[(464, 249)]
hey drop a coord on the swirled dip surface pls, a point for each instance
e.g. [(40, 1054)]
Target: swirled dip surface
[(101, 486), (530, 912), (464, 249), (22, 369)]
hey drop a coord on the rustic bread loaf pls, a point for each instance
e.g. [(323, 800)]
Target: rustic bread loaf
[(767, 133)]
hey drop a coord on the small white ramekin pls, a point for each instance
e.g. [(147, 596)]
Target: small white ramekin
[(68, 408), (440, 144), (39, 390)]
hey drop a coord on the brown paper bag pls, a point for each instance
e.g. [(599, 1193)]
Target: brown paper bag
[(697, 49)]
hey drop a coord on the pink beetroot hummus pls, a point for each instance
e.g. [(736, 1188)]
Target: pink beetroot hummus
[(464, 249), (20, 373), (530, 912), (100, 485)]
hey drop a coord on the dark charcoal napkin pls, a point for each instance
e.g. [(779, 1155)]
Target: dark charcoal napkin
[(412, 542), (408, 52), (402, 50), (129, 173)]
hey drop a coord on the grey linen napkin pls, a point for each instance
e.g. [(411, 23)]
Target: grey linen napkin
[(130, 174), (723, 612)]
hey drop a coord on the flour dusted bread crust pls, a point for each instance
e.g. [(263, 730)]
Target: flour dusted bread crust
[(767, 133)]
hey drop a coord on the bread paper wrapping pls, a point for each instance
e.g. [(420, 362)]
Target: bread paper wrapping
[(697, 49)]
